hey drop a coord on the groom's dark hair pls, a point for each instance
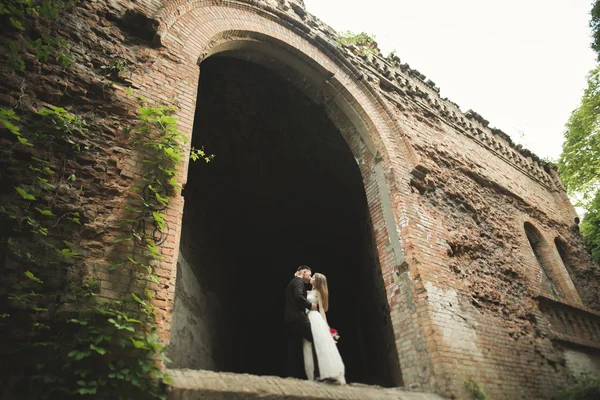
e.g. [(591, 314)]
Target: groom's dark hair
[(300, 268)]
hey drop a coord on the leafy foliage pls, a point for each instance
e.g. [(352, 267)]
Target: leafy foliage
[(16, 10), (595, 25), (363, 41), (108, 349), (587, 387), (66, 124), (14, 13), (115, 70), (46, 46), (92, 348), (158, 131), (579, 163), (393, 58), (8, 119), (103, 350), (476, 391), (590, 228)]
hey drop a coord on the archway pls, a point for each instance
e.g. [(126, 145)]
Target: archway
[(284, 190), (543, 256)]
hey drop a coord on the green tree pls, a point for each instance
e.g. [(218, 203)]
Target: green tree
[(590, 228), (579, 163), (595, 25)]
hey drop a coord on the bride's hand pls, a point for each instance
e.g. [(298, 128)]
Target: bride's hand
[(314, 306)]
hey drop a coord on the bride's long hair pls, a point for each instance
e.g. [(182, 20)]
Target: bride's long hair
[(321, 287)]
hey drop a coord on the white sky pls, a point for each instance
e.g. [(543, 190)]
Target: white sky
[(520, 64)]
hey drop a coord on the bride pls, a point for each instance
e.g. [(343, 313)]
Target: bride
[(331, 366)]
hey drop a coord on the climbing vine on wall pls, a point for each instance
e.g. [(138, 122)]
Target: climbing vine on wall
[(54, 324), (98, 347), (22, 14)]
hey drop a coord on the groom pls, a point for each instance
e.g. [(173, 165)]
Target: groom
[(297, 325)]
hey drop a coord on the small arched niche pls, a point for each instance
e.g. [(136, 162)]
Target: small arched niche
[(566, 256), (544, 257)]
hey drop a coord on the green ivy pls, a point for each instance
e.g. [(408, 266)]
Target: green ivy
[(14, 13), (8, 118), (16, 10), (102, 348), (66, 125), (476, 391), (91, 348), (103, 351), (157, 131)]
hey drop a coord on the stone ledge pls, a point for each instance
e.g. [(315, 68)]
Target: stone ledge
[(545, 300), (571, 323), (197, 384)]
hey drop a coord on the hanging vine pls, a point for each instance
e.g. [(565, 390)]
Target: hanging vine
[(54, 324)]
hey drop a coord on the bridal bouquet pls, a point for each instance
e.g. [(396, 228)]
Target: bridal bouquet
[(334, 334)]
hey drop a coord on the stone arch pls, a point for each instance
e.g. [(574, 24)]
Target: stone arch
[(238, 21), (192, 30), (325, 89)]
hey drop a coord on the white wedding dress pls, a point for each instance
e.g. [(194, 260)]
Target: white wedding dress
[(331, 365)]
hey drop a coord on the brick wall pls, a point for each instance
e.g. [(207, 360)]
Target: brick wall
[(448, 196), (201, 28), (448, 199), (479, 269)]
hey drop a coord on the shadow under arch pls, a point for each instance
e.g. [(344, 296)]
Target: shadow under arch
[(370, 123), (323, 89), (327, 87)]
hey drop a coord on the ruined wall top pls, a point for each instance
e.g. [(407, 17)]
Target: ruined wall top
[(399, 83), (395, 81)]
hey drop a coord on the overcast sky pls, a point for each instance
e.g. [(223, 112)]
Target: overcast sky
[(520, 64)]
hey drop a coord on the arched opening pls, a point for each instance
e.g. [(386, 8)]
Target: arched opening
[(283, 190), (564, 255), (569, 262), (543, 256)]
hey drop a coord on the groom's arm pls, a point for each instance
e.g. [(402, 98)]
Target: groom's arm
[(298, 295)]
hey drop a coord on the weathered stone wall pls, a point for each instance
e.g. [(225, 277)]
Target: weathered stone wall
[(448, 197), (472, 253), (193, 333), (581, 362), (102, 168), (475, 191)]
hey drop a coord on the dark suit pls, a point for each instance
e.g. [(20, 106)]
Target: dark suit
[(297, 327)]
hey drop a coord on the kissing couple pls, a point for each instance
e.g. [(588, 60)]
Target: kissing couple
[(309, 337)]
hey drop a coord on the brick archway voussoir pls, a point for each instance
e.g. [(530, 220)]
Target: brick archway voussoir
[(202, 28)]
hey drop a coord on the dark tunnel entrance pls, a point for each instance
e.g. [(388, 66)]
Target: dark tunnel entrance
[(284, 189)]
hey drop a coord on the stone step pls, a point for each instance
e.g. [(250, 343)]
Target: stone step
[(207, 385)]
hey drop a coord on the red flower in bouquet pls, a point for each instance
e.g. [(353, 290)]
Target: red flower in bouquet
[(334, 334)]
